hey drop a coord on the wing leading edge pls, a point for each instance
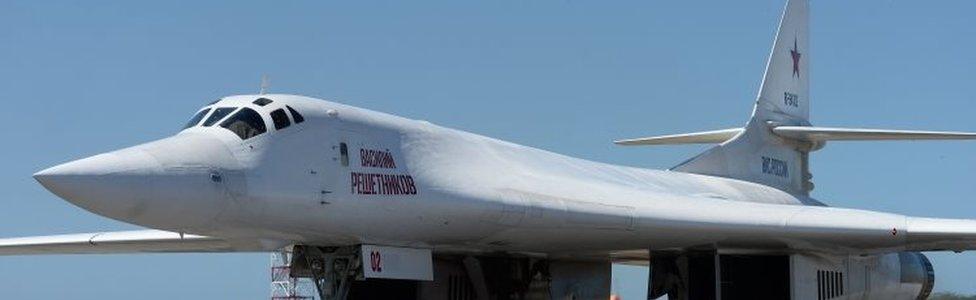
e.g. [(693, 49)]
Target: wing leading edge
[(870, 232), (138, 241), (733, 225), (928, 234)]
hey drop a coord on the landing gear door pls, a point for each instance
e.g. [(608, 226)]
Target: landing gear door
[(397, 263)]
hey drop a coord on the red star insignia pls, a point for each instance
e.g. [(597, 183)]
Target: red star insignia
[(796, 59)]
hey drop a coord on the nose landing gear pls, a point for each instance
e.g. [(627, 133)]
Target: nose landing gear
[(331, 268), (341, 273)]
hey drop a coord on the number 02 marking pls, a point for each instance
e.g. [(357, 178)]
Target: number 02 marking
[(375, 261)]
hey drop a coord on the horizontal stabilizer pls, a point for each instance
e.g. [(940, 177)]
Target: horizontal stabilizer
[(803, 133), (704, 137), (859, 134), (138, 241)]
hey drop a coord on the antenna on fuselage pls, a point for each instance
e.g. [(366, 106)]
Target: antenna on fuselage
[(264, 84)]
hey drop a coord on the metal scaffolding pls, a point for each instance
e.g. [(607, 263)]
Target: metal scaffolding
[(283, 285)]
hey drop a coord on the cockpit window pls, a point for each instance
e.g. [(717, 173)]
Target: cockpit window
[(196, 118), (218, 114), (262, 101), (246, 123), (280, 119), (294, 114)]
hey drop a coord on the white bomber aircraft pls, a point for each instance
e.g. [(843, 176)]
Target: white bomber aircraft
[(377, 206)]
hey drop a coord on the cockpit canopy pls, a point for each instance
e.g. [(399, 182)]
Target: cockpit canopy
[(246, 122)]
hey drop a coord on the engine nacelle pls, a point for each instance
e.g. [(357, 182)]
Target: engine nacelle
[(705, 275), (904, 275), (916, 270)]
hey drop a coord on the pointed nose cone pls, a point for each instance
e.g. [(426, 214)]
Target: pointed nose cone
[(177, 183), (114, 184)]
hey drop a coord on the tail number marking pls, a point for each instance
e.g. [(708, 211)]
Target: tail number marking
[(775, 167), (790, 99)]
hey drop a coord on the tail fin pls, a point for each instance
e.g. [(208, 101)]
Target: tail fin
[(785, 92), (756, 154), (773, 149)]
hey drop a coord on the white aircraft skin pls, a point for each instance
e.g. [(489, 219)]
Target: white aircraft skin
[(342, 176), (472, 192)]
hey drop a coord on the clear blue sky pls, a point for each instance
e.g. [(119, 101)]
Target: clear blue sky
[(80, 78)]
